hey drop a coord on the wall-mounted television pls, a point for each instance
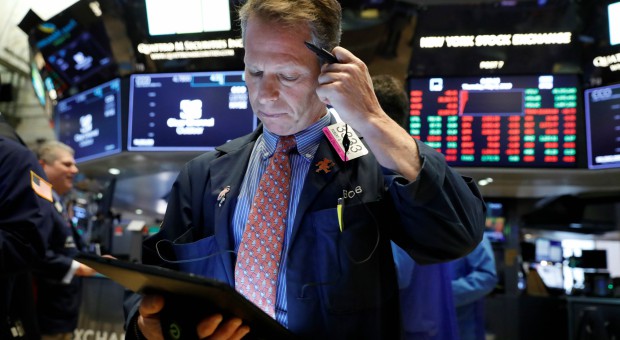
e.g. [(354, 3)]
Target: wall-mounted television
[(499, 121), (187, 16), (74, 50), (187, 111), (184, 35), (602, 107), (90, 122)]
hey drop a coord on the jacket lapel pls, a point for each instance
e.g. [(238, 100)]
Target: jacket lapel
[(228, 170)]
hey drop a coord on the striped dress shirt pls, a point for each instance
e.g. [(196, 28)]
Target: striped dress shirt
[(307, 144)]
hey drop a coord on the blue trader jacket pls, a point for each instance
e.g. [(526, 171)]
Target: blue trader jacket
[(340, 285), (473, 277), (25, 222), (58, 303)]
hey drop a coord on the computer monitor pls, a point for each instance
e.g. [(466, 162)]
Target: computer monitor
[(187, 16), (90, 122), (187, 111), (548, 250), (602, 109)]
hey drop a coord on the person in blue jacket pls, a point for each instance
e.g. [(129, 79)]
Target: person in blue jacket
[(426, 302), (473, 277), (25, 221), (58, 275), (336, 277)]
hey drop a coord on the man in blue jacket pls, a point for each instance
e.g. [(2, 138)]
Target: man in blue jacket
[(473, 277), (58, 281), (427, 307), (347, 198), (25, 221)]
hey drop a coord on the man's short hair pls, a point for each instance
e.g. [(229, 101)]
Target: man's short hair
[(392, 97), (324, 17), (47, 152)]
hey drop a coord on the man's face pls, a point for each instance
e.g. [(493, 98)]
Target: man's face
[(61, 172), (281, 75)]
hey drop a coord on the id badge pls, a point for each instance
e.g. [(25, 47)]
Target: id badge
[(335, 133)]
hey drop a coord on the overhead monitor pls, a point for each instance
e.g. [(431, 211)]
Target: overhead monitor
[(602, 107), (90, 122), (187, 111), (499, 121), (548, 250), (74, 50), (187, 16), (613, 16)]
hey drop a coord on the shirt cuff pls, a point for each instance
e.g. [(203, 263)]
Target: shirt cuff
[(69, 275)]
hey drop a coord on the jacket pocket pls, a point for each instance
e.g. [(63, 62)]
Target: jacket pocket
[(352, 263), (200, 257)]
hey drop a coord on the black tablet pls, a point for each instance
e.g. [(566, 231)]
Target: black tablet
[(189, 298)]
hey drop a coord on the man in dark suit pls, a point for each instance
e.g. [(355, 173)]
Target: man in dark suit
[(339, 203), (25, 221), (58, 280)]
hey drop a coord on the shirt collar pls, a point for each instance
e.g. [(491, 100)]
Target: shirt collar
[(307, 140)]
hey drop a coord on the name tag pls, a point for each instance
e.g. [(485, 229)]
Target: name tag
[(335, 133)]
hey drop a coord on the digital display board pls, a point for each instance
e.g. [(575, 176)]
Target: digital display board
[(602, 106), (187, 16), (90, 122), (501, 121), (187, 111)]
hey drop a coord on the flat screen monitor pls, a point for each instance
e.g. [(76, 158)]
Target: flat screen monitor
[(498, 121), (613, 17), (80, 58), (495, 222), (187, 16), (90, 122), (187, 111), (548, 250), (602, 107)]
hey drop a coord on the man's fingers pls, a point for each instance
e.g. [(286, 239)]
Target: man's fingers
[(151, 304), (213, 328), (208, 325)]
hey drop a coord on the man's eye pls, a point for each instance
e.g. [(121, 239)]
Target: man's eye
[(289, 78), (256, 73)]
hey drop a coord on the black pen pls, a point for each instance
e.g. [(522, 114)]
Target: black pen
[(322, 53)]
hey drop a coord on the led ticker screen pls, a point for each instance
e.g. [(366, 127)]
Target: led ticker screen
[(502, 121), (90, 122), (603, 126), (187, 111)]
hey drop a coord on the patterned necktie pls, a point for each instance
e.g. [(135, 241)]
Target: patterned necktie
[(258, 259)]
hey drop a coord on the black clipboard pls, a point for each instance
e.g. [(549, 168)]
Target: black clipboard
[(188, 297)]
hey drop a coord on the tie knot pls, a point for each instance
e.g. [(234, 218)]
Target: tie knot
[(286, 144)]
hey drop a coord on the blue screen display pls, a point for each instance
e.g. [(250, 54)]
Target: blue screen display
[(187, 111), (90, 122)]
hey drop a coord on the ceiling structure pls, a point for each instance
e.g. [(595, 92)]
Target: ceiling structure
[(146, 178)]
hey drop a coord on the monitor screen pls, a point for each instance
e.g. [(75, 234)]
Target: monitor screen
[(602, 106), (90, 122), (80, 58), (187, 111), (187, 16), (613, 17), (501, 121), (548, 250), (495, 222)]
